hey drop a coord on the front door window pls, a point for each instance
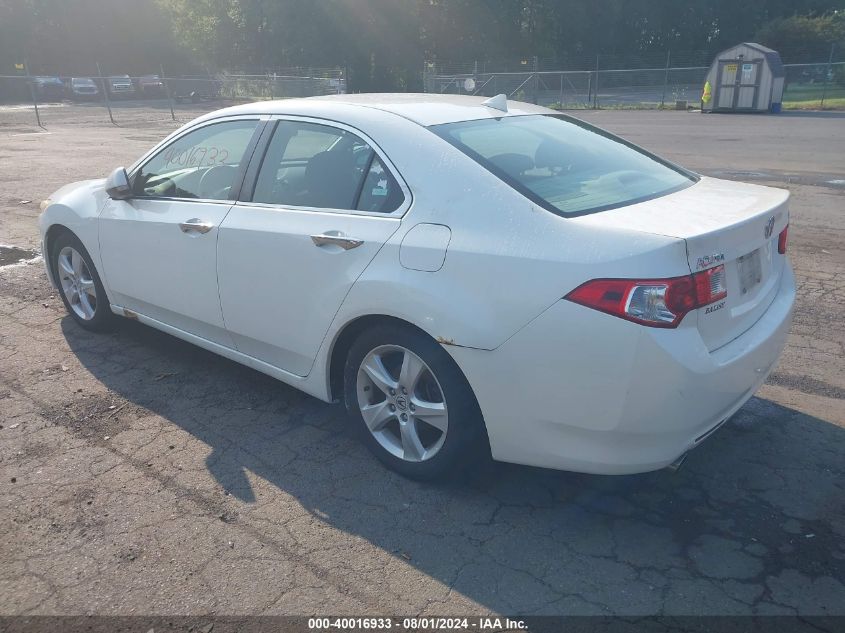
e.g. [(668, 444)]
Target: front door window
[(202, 165)]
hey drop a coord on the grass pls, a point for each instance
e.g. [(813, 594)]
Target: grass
[(808, 96), (830, 103)]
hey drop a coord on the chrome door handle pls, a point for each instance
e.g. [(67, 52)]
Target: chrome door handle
[(195, 224), (345, 243)]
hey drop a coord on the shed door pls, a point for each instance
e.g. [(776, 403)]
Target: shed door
[(738, 84), (728, 72), (749, 82)]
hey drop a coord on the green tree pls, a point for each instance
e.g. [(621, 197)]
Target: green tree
[(805, 38), (384, 43)]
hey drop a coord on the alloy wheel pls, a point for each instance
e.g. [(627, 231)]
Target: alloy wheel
[(77, 283), (402, 403)]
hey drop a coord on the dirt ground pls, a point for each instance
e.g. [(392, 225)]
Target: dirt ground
[(141, 475)]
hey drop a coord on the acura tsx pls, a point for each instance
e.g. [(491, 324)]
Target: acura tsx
[(467, 276)]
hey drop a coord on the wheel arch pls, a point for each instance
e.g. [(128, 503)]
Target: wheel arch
[(346, 336), (57, 229), (50, 237), (53, 232), (350, 331)]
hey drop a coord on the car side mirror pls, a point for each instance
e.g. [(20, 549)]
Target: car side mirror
[(117, 185)]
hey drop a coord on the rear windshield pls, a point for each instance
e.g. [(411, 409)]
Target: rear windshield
[(566, 166)]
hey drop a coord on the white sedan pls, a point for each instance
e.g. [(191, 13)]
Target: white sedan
[(469, 277)]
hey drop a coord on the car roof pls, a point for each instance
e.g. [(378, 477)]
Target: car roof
[(424, 109)]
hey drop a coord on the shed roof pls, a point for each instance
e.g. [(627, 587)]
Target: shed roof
[(771, 56)]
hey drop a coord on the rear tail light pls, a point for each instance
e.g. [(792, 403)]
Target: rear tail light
[(653, 302), (782, 239), (710, 285)]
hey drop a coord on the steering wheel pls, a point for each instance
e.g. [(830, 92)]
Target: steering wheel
[(215, 182)]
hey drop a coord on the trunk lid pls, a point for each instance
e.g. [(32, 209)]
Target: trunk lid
[(722, 222)]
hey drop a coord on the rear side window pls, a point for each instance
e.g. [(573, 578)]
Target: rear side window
[(324, 167), (380, 191), (565, 166), (203, 164)]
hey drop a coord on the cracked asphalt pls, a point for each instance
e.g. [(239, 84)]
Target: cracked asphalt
[(141, 475)]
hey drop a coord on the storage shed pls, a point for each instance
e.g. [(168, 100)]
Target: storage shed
[(747, 77)]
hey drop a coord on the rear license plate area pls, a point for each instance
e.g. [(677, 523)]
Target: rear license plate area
[(750, 271)]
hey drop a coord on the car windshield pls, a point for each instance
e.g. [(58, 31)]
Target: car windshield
[(564, 165)]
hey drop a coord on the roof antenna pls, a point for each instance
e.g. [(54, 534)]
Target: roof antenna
[(499, 102)]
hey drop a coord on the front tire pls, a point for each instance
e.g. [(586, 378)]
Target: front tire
[(79, 284), (412, 405)]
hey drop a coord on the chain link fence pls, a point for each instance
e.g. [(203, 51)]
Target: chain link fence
[(124, 98), (808, 85)]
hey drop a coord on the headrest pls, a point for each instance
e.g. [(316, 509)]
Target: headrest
[(551, 154), (513, 164)]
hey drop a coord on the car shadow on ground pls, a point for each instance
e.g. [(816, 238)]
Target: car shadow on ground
[(754, 514)]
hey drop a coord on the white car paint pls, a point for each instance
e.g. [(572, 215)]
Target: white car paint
[(267, 316), (152, 268), (726, 215), (607, 396), (560, 385)]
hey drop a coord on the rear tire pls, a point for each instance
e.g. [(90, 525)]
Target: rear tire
[(413, 407), (79, 284)]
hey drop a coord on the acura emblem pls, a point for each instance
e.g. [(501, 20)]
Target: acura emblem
[(770, 226)]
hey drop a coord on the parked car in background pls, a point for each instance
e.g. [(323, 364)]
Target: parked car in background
[(49, 88), (82, 88), (150, 86), (120, 86)]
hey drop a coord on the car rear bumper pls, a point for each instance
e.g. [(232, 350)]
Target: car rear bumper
[(583, 391)]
